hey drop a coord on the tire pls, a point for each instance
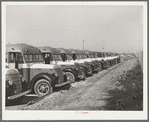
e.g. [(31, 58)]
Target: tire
[(42, 87), (99, 67), (108, 64), (114, 62), (89, 71), (83, 74), (70, 76)]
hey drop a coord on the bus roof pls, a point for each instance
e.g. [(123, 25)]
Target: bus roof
[(23, 48), (88, 52), (66, 51), (81, 52), (48, 49), (77, 51), (73, 51)]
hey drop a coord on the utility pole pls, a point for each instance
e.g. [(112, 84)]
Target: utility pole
[(83, 45), (102, 49)]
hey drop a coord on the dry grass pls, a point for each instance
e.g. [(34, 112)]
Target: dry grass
[(128, 94)]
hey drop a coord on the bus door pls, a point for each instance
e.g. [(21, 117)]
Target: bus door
[(15, 60)]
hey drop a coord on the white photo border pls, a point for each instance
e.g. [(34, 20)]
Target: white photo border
[(72, 115)]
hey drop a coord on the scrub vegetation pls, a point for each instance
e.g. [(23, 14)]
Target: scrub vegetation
[(128, 94)]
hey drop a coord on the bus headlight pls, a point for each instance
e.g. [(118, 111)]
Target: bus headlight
[(10, 82), (76, 69), (55, 74)]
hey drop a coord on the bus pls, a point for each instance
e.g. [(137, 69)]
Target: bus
[(99, 59), (106, 59), (38, 77), (90, 57), (77, 56), (13, 85), (71, 69), (67, 58)]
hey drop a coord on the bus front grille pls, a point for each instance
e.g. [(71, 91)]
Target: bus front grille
[(60, 75), (77, 65), (17, 82)]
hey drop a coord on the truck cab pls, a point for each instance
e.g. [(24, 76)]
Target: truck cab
[(39, 77)]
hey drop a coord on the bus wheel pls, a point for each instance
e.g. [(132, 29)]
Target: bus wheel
[(89, 71), (108, 64), (42, 87), (70, 76), (82, 76), (99, 67)]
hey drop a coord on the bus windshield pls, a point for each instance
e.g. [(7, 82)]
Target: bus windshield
[(79, 57), (30, 58), (69, 57), (99, 54), (57, 58), (13, 57), (91, 56), (83, 56), (96, 56)]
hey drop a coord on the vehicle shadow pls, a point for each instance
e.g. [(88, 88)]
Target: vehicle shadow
[(23, 100), (65, 87), (30, 97)]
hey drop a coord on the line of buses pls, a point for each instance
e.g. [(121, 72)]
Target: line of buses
[(40, 69)]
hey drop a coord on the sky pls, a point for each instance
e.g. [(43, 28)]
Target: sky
[(116, 28)]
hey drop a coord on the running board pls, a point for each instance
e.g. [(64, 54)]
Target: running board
[(62, 84), (18, 95)]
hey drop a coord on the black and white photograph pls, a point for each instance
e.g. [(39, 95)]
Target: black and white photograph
[(74, 60)]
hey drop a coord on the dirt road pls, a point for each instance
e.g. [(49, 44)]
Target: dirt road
[(90, 94)]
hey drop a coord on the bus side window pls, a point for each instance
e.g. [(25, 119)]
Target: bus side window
[(6, 57), (41, 58)]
